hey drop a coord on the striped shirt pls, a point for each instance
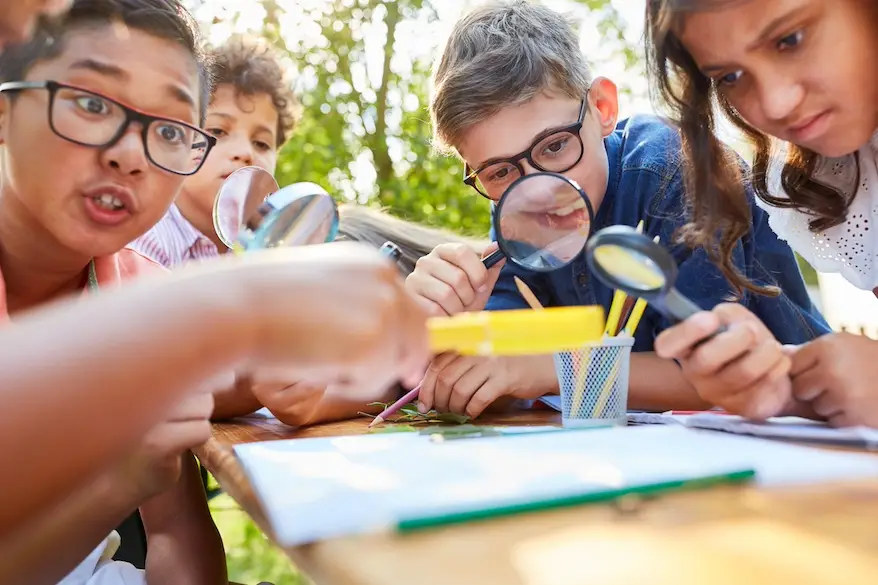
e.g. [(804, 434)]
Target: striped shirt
[(173, 241)]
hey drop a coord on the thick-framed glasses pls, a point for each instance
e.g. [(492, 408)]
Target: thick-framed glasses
[(554, 151), (87, 118)]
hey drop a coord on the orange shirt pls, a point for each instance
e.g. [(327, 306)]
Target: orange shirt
[(111, 271)]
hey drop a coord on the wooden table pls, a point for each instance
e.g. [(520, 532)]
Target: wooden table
[(721, 536)]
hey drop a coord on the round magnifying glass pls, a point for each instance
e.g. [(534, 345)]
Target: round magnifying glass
[(624, 259), (240, 195), (251, 212), (542, 222)]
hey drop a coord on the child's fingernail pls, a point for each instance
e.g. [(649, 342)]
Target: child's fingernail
[(422, 408)]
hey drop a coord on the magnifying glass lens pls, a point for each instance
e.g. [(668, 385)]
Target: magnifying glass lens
[(302, 221), (251, 212), (238, 199), (543, 222), (631, 269)]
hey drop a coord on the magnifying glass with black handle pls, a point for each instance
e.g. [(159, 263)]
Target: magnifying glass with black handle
[(542, 222), (623, 258)]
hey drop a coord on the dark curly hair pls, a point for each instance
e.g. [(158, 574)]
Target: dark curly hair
[(252, 67)]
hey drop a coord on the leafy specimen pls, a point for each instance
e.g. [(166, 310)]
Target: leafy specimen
[(409, 414)]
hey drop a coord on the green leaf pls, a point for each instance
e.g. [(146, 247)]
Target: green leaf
[(450, 417), (393, 429)]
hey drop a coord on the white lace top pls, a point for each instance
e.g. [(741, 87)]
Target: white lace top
[(850, 249)]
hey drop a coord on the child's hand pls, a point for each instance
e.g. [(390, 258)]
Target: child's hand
[(292, 403), (469, 384), (452, 279), (744, 370), (155, 466), (332, 314), (836, 374), (300, 404)]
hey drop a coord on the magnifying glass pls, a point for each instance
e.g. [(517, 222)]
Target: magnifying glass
[(542, 221), (624, 259), (251, 212)]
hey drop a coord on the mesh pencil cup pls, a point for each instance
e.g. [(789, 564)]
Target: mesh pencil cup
[(594, 382)]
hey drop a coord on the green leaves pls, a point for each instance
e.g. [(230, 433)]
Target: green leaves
[(409, 414)]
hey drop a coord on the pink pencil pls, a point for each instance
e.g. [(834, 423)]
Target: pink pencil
[(393, 408)]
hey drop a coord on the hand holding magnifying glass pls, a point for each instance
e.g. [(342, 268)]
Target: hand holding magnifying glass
[(746, 372), (624, 259), (542, 223)]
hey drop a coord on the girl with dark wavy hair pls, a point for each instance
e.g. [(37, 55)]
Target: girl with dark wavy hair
[(799, 79)]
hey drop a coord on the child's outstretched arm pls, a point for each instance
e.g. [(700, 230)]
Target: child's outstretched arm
[(65, 366), (659, 384), (326, 314)]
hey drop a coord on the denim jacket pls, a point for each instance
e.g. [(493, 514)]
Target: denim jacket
[(645, 183)]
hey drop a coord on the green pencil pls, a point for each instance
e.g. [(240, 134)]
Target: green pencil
[(488, 511)]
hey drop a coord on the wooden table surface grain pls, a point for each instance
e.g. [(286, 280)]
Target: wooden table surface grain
[(743, 535)]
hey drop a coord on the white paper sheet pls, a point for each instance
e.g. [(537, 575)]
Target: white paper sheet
[(787, 427), (314, 489), (790, 428)]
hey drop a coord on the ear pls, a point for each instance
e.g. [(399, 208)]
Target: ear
[(603, 102)]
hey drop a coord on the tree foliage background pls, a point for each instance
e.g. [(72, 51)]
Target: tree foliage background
[(362, 70)]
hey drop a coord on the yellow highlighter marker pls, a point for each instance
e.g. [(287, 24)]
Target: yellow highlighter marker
[(520, 332)]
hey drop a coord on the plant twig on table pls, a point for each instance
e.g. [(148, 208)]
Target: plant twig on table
[(409, 414)]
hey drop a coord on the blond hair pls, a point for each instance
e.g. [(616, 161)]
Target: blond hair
[(373, 226), (499, 55)]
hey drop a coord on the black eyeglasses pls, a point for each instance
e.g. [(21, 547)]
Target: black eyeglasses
[(90, 119), (556, 151)]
